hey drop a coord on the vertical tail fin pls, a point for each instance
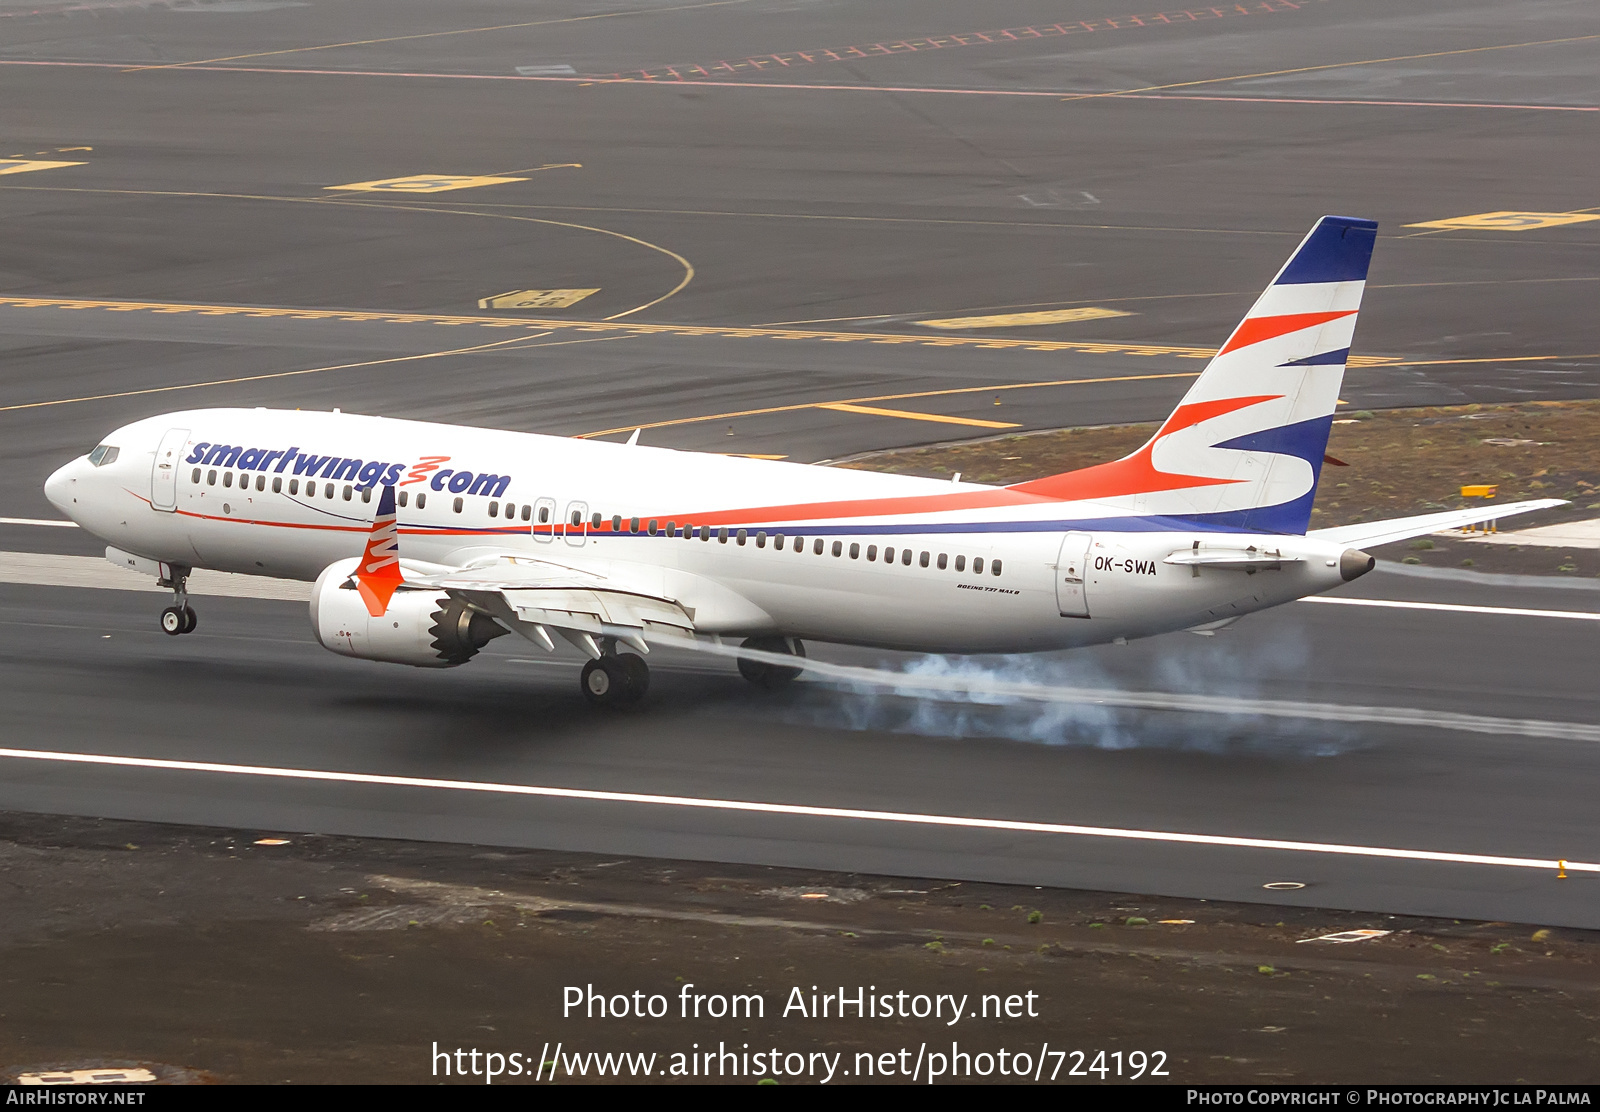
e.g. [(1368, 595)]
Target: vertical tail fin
[(1244, 448), (378, 575)]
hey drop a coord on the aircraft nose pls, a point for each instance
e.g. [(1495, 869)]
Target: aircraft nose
[(61, 488)]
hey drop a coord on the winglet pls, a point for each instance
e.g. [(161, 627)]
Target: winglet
[(379, 573)]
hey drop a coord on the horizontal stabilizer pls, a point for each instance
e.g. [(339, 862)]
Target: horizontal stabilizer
[(1403, 528)]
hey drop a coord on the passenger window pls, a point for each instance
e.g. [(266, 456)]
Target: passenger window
[(742, 535), (652, 526), (761, 540), (633, 525), (672, 528), (905, 557), (422, 500), (544, 512), (327, 490), (888, 555), (722, 535), (594, 522), (227, 478), (261, 482), (195, 478), (872, 552), (977, 565), (527, 512), (923, 560), (347, 492), (994, 567), (855, 552), (366, 494), (211, 478), (944, 561), (458, 505), (494, 509), (277, 485), (961, 563), (799, 544), (838, 548), (577, 517), (816, 546), (400, 499), (294, 486), (311, 490)]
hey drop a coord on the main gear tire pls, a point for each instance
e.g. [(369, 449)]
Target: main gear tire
[(615, 681), (767, 674)]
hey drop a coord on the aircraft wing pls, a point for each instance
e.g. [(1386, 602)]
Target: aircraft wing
[(532, 597), (1402, 528)]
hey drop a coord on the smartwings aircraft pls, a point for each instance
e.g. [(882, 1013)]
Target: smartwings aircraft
[(426, 540)]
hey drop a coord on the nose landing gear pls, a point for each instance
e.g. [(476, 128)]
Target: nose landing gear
[(615, 680), (179, 617)]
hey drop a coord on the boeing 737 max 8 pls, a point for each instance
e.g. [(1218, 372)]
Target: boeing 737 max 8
[(427, 540)]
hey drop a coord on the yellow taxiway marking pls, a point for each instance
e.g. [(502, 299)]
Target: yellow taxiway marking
[(27, 165), (858, 402), (1508, 221), (536, 299), (638, 328), (938, 418), (1024, 320), (424, 183)]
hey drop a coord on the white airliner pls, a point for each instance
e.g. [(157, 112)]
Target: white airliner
[(426, 540)]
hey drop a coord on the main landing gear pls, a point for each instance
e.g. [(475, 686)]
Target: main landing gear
[(616, 679), (767, 674), (179, 617)]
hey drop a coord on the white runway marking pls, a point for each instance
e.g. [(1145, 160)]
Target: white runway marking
[(1459, 608), (49, 570), (909, 818), (38, 521)]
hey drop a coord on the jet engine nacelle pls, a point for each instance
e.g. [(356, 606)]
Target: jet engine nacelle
[(426, 628)]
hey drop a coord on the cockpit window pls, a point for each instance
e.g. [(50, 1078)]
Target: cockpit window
[(103, 455)]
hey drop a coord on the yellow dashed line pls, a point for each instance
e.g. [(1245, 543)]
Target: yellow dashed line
[(632, 328), (1028, 320), (846, 402), (424, 183), (846, 407)]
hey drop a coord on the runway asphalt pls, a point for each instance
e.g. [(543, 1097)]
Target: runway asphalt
[(767, 209)]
